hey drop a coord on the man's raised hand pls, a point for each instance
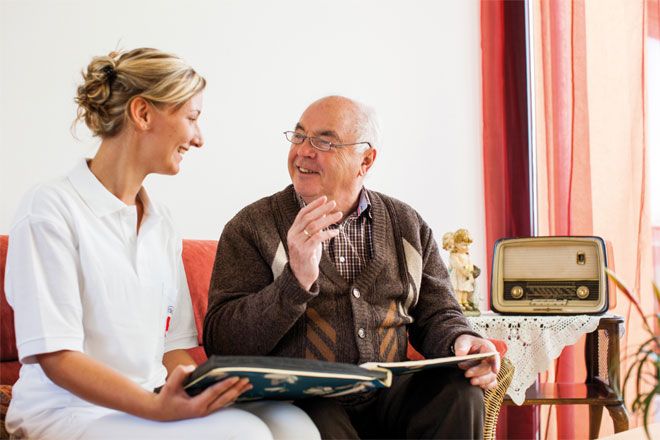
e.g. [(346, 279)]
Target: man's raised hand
[(305, 238)]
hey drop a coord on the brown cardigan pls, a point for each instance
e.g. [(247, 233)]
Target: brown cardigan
[(257, 307)]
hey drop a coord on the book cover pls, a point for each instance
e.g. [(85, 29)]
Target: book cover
[(279, 378)]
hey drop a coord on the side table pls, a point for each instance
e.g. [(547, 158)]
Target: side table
[(602, 385)]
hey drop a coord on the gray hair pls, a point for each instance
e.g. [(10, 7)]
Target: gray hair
[(364, 118), (368, 128)]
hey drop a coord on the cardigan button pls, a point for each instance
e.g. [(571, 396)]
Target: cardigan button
[(356, 293), (361, 333)]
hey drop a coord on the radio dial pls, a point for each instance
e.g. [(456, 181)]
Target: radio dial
[(582, 292), (517, 292)]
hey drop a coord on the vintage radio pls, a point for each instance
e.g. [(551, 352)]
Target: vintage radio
[(549, 275)]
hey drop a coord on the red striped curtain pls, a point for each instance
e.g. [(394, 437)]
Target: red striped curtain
[(653, 14), (591, 149), (591, 144), (505, 152), (653, 20)]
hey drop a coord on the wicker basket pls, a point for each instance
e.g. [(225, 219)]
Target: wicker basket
[(493, 398)]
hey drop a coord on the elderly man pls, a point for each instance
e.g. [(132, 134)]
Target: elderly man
[(327, 269)]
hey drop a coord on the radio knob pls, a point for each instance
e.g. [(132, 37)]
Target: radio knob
[(517, 292), (582, 292)]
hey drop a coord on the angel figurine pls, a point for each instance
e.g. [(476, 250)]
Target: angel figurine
[(462, 272)]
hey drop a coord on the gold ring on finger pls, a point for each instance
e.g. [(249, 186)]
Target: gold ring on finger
[(306, 233)]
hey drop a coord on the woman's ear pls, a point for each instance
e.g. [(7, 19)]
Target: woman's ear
[(139, 111)]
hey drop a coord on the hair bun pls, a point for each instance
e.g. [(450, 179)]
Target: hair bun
[(110, 83), (98, 79), (95, 92)]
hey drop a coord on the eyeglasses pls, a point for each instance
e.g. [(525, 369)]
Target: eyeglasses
[(320, 144)]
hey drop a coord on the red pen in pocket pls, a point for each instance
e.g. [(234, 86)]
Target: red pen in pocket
[(170, 309)]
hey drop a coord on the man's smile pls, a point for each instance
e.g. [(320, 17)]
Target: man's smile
[(306, 170)]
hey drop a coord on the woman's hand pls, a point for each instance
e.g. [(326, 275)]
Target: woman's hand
[(173, 403)]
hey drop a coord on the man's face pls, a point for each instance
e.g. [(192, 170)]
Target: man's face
[(337, 173)]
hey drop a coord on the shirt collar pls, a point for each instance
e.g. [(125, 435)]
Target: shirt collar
[(96, 196), (364, 204), (363, 207)]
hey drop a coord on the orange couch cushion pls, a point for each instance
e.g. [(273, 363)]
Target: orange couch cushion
[(198, 259), (8, 351), (9, 372)]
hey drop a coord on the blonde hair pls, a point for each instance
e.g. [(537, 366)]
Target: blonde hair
[(112, 82), (462, 236), (450, 239)]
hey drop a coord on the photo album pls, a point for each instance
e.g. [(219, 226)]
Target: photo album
[(279, 378)]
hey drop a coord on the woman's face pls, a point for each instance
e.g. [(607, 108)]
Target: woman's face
[(173, 131)]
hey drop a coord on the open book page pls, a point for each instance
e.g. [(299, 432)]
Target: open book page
[(278, 378), (407, 367)]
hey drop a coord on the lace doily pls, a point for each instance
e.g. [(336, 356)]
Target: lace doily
[(533, 342)]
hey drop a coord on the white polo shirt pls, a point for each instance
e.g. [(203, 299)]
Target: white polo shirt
[(79, 277)]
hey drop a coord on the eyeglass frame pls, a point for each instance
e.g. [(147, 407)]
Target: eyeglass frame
[(313, 138)]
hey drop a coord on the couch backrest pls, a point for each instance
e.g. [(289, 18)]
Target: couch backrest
[(198, 258), (8, 350)]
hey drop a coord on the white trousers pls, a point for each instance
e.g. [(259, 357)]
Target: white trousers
[(257, 420)]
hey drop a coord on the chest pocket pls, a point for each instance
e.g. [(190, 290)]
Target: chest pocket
[(135, 309)]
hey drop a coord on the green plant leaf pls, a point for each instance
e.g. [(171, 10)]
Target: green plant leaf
[(645, 366), (640, 369), (647, 405), (627, 293)]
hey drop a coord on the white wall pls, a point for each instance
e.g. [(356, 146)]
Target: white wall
[(416, 62)]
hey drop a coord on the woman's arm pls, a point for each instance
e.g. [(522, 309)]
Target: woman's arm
[(174, 358), (101, 385)]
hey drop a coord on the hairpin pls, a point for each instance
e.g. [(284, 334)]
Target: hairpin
[(110, 74)]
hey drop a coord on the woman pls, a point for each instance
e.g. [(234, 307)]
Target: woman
[(96, 280)]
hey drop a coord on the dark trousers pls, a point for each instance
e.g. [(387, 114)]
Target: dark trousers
[(438, 403)]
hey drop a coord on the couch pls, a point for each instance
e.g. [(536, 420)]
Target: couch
[(198, 258)]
